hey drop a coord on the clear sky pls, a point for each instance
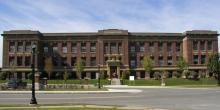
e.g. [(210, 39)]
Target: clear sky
[(93, 15)]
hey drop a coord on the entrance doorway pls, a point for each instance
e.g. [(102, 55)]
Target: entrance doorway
[(113, 72)]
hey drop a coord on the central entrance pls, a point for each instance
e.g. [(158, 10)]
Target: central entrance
[(113, 72)]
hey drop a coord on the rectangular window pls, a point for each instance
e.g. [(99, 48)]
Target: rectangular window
[(141, 61), (12, 47), (169, 60), (141, 47), (161, 62), (120, 48), (28, 47), (55, 61), (73, 61), (64, 61), (133, 63), (93, 61), (195, 45), (55, 47), (195, 59), (64, 48), (113, 48), (83, 60), (83, 47), (11, 61), (93, 47), (169, 47), (132, 49), (74, 48), (20, 47), (46, 50), (209, 45), (160, 47), (19, 61), (27, 60), (106, 48), (202, 45), (203, 57), (151, 47), (178, 46)]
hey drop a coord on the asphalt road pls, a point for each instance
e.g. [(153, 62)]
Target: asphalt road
[(166, 98)]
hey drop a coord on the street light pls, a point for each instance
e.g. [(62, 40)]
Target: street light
[(99, 76), (33, 98)]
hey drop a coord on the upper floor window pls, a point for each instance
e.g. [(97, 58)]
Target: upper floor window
[(133, 63), (119, 48), (55, 47), (93, 61), (209, 45), (203, 57), (113, 48), (169, 47), (161, 62), (64, 48), (141, 47), (151, 47), (202, 45), (73, 61), (27, 60), (195, 59), (83, 47), (169, 60), (93, 47), (195, 45), (74, 48), (46, 49), (11, 61), (28, 47), (178, 46), (106, 48), (64, 61), (20, 47), (160, 46), (11, 47)]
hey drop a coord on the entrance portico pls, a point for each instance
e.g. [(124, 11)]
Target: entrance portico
[(113, 65)]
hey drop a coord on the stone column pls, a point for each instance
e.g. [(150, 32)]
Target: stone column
[(118, 71), (138, 74)]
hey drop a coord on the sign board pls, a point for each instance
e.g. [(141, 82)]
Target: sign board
[(131, 78)]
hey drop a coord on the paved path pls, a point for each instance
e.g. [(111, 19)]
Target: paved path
[(166, 98)]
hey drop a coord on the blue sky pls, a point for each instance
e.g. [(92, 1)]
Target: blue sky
[(93, 15)]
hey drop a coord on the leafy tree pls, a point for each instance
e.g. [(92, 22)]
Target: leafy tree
[(147, 64), (80, 65), (213, 65), (48, 66), (181, 65)]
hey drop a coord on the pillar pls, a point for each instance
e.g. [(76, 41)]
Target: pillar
[(23, 76), (118, 71)]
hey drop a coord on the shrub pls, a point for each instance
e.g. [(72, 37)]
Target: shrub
[(3, 75), (157, 75)]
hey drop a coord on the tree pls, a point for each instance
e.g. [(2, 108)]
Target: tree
[(213, 65), (80, 65), (147, 64), (48, 66), (181, 65)]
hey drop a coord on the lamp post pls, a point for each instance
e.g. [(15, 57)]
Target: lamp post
[(33, 98), (99, 76)]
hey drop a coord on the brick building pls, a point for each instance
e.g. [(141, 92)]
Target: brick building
[(115, 50)]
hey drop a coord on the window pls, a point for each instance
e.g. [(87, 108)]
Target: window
[(169, 47), (113, 48), (202, 45), (28, 47), (20, 47), (120, 48), (19, 61), (83, 60), (195, 45), (209, 45), (106, 59), (64, 48), (55, 61), (141, 61), (132, 49), (203, 57), (12, 47), (74, 48), (93, 47), (11, 61), (151, 47), (83, 47), (64, 61), (169, 61), (161, 62), (141, 47), (106, 48), (160, 47), (46, 50), (133, 63), (195, 59), (55, 47), (178, 46), (73, 61), (93, 61), (27, 61)]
